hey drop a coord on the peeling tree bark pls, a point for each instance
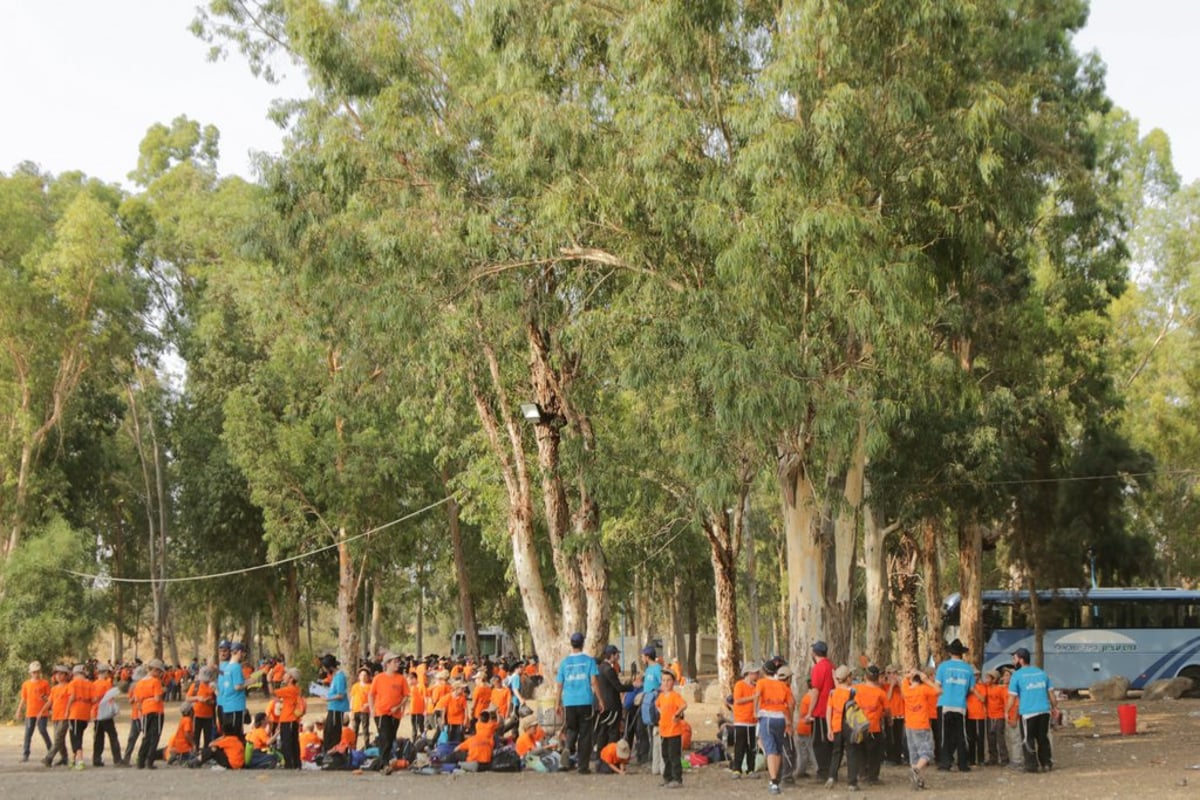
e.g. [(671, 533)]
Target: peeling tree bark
[(903, 580), (931, 566), (970, 574)]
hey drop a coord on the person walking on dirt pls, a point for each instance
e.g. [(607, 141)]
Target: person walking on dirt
[(1029, 689)]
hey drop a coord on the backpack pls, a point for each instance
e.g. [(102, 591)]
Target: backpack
[(506, 760), (855, 723)]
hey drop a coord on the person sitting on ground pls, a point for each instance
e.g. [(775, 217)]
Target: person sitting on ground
[(183, 742), (226, 751), (613, 757)]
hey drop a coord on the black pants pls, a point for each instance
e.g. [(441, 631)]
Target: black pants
[(976, 741), (854, 757), (152, 725), (289, 744), (362, 729), (334, 722), (872, 748), (206, 731), (897, 744), (579, 724), (672, 753), (233, 723), (744, 748), (953, 741), (387, 727), (105, 728), (135, 730), (77, 727), (418, 725), (608, 728), (39, 724), (1035, 741), (641, 732), (822, 747)]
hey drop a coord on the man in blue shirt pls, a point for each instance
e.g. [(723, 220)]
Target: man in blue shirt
[(231, 693), (337, 702), (957, 679), (578, 688), (1029, 688)]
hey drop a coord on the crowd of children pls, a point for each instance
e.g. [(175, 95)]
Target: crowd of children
[(477, 717)]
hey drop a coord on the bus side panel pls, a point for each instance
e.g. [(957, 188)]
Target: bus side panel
[(1075, 659)]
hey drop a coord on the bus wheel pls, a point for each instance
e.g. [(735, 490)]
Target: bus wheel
[(1193, 672)]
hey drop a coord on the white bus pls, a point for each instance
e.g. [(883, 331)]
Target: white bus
[(1142, 634)]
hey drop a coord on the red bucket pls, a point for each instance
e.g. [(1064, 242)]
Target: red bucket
[(1127, 715)]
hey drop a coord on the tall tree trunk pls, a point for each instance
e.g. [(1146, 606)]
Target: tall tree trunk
[(543, 625), (347, 605), (156, 587), (376, 620), (931, 566), (879, 608), (809, 554), (210, 632), (693, 630), (678, 629), (119, 586), (466, 606), (840, 595), (283, 597), (970, 575), (756, 650), (593, 571), (904, 581), (161, 496), (721, 529)]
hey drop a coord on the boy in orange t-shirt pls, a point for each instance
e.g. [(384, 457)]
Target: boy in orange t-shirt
[(531, 736), (228, 751), (183, 742), (997, 696), (79, 711), (613, 757), (290, 707), (58, 715), (359, 712), (920, 694), (35, 700), (670, 707), (872, 699), (976, 723), (835, 711), (147, 694)]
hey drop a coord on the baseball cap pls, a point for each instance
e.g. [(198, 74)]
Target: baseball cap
[(35, 666), (784, 673), (611, 650), (237, 646), (649, 651), (576, 639), (223, 644), (820, 648), (841, 673)]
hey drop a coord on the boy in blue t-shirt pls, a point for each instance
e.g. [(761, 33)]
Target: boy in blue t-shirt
[(1029, 688)]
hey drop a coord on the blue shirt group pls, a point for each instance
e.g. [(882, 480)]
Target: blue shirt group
[(1031, 687), (575, 674), (651, 683), (957, 678)]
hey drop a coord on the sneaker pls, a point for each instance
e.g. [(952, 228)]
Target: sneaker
[(733, 773), (773, 788), (675, 785), (852, 787), (78, 765), (829, 784)]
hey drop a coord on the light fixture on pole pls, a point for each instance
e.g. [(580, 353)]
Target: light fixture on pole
[(533, 413)]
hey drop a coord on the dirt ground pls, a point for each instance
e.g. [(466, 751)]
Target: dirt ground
[(1162, 761)]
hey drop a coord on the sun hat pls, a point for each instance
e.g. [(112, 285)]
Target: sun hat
[(35, 666)]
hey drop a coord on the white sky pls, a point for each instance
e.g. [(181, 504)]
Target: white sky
[(82, 80)]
